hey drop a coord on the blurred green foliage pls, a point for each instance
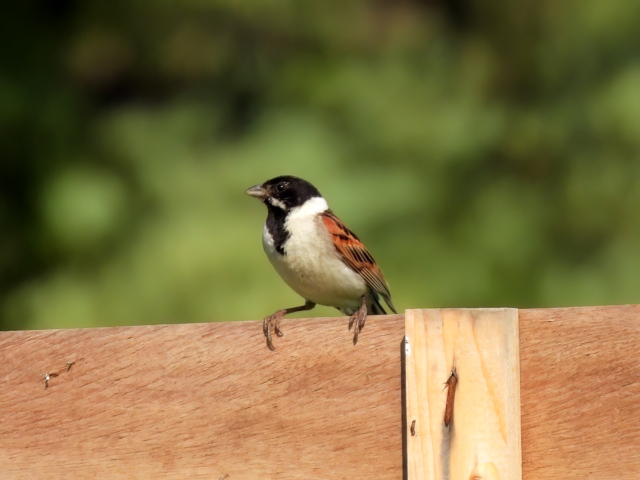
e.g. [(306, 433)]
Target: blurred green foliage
[(488, 154)]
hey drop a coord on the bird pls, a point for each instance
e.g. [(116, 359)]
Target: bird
[(317, 255)]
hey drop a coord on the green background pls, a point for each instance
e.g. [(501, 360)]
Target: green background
[(487, 153)]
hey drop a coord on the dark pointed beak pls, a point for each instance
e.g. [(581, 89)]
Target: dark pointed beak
[(257, 191)]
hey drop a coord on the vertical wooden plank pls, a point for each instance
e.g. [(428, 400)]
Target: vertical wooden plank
[(483, 438)]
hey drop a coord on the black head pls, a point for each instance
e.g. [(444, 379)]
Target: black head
[(284, 193)]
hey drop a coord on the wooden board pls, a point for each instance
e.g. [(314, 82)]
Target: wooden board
[(482, 439), (580, 390), (203, 400)]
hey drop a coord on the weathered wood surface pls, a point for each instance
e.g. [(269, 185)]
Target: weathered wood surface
[(580, 393), (203, 400), (483, 438)]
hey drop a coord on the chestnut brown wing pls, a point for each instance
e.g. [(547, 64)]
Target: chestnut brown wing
[(356, 256)]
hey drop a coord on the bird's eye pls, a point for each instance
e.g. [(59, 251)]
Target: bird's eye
[(280, 187)]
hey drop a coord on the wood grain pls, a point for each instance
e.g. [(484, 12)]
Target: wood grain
[(580, 389), (483, 440), (203, 400)]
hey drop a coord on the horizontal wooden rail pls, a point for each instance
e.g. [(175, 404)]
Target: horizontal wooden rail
[(205, 400)]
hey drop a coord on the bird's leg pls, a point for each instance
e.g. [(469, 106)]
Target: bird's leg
[(273, 321), (358, 319)]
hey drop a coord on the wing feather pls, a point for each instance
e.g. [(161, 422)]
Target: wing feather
[(356, 256)]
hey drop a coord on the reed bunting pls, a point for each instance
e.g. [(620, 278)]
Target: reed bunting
[(317, 255)]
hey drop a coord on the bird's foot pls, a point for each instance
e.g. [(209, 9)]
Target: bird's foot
[(357, 320), (272, 323)]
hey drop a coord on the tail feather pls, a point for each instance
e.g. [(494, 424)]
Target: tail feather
[(376, 307), (390, 303)]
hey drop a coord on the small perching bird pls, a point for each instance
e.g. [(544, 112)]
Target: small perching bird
[(317, 255)]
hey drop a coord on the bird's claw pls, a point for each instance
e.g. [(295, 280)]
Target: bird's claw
[(272, 322), (358, 319)]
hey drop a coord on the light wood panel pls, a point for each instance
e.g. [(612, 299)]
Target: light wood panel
[(483, 439)]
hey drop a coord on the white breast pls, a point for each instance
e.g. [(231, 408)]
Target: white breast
[(311, 265)]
